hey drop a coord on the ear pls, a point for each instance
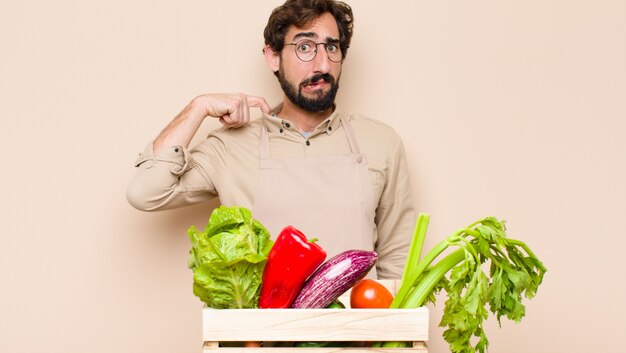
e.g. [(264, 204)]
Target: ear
[(272, 58)]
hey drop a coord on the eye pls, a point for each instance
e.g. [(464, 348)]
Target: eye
[(332, 48), (304, 47)]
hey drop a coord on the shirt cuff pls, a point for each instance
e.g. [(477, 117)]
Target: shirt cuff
[(177, 156)]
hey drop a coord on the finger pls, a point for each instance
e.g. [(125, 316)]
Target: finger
[(228, 120), (245, 110), (259, 102), (232, 117)]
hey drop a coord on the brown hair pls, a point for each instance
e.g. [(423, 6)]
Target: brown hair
[(301, 12)]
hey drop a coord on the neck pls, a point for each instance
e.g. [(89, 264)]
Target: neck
[(304, 120)]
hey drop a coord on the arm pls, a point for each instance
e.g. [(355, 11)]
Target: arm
[(168, 176), (232, 109), (395, 215)]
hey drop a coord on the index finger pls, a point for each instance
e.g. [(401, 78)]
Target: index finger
[(260, 102)]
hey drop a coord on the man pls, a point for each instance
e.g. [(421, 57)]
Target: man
[(339, 177)]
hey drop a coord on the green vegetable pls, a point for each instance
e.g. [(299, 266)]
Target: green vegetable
[(228, 259), (336, 304), (315, 344), (514, 272)]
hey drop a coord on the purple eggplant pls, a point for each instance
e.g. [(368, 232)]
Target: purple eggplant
[(334, 277)]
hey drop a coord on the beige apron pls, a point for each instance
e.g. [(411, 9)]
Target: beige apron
[(326, 197)]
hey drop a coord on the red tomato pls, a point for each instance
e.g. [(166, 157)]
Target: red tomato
[(368, 293)]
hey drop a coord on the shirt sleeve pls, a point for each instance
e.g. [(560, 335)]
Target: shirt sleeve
[(175, 177), (395, 216)]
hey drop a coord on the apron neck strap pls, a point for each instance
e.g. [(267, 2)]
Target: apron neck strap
[(264, 143), (354, 146)]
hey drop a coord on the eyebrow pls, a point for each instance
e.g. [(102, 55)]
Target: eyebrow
[(305, 35), (313, 35)]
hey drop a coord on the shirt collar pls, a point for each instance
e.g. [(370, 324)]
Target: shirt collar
[(278, 125)]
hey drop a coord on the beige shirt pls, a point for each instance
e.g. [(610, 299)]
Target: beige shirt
[(225, 165)]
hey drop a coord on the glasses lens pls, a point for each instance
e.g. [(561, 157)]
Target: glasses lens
[(334, 52), (306, 50)]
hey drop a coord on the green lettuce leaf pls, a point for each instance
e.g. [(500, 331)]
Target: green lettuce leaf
[(228, 259)]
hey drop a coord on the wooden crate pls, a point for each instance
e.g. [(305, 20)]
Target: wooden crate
[(299, 325)]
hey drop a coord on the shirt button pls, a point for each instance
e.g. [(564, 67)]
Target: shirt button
[(359, 159), (330, 128), (308, 143), (176, 149), (281, 130), (287, 125)]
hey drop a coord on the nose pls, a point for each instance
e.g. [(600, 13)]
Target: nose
[(321, 61)]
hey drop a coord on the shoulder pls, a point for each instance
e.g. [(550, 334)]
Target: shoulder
[(233, 139), (250, 130), (371, 130)]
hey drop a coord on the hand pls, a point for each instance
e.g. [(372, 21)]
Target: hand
[(233, 110)]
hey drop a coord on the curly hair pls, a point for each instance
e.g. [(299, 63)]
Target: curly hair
[(300, 12)]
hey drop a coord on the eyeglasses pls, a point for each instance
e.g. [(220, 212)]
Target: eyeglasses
[(306, 50)]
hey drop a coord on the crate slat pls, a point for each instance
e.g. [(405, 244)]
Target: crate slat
[(300, 325), (315, 324), (418, 349)]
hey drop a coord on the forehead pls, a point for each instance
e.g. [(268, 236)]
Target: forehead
[(323, 27)]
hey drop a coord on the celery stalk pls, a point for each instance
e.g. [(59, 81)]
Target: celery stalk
[(410, 282), (410, 268), (419, 235), (432, 278), (515, 272)]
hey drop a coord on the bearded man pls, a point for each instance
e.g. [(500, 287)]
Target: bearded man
[(336, 176)]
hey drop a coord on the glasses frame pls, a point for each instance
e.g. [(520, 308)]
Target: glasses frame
[(325, 44)]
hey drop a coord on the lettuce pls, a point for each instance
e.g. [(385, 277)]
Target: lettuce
[(228, 259)]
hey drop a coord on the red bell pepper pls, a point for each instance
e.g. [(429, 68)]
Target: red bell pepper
[(290, 262)]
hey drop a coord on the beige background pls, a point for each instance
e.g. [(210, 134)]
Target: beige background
[(508, 108)]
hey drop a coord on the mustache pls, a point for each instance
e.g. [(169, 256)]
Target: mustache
[(326, 77)]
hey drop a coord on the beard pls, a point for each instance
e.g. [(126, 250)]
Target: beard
[(320, 102)]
